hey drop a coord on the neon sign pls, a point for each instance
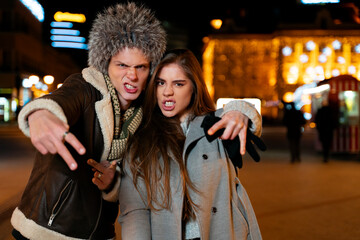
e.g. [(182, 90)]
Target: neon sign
[(71, 17), (319, 1), (35, 8)]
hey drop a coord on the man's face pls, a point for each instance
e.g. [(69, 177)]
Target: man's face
[(129, 70)]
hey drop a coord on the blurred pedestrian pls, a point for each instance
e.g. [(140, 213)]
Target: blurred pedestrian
[(294, 121), (325, 124)]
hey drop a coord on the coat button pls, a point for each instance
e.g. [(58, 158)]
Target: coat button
[(214, 210), (205, 156)]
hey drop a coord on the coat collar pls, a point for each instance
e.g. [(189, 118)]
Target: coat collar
[(195, 132), (103, 108), (96, 79)]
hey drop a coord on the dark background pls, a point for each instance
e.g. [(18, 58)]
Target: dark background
[(189, 20)]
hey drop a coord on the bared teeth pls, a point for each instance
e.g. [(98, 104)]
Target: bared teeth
[(168, 104), (129, 86)]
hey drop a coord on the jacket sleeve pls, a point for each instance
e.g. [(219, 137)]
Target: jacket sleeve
[(134, 215), (65, 102), (113, 194), (248, 110)]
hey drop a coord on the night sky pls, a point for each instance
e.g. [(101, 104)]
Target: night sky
[(190, 17)]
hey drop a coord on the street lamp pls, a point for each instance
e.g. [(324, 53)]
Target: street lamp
[(216, 23)]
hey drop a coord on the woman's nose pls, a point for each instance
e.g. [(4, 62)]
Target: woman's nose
[(168, 91)]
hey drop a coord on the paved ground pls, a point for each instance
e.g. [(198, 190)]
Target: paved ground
[(308, 200)]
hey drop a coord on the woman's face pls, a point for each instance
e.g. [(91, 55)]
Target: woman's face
[(174, 91), (128, 71)]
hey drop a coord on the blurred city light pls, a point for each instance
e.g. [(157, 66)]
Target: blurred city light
[(288, 97), (319, 1), (286, 51), (310, 45), (216, 23), (26, 83), (336, 44), (67, 38), (71, 17), (69, 45), (65, 32), (34, 79), (35, 8), (48, 79), (61, 24)]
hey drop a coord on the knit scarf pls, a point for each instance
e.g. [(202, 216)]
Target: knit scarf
[(124, 125)]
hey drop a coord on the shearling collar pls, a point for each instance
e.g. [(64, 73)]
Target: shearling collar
[(96, 79)]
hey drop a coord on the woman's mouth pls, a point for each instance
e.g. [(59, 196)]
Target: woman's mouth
[(168, 105)]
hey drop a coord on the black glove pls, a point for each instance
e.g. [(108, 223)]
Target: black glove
[(233, 146)]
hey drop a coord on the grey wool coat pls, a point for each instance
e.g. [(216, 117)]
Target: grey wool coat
[(225, 208)]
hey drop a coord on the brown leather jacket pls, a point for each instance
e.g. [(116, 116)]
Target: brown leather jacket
[(61, 203)]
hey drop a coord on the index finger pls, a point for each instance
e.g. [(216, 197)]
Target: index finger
[(75, 143), (242, 136), (98, 166), (65, 154), (217, 126)]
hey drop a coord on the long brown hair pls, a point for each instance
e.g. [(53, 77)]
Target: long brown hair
[(160, 135)]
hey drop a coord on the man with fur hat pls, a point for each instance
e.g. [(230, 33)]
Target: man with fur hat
[(93, 115)]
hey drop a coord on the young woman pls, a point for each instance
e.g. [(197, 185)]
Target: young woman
[(177, 184)]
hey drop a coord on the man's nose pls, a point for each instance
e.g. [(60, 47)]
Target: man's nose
[(131, 73)]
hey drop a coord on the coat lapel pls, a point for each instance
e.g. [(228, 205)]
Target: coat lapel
[(103, 108), (195, 132)]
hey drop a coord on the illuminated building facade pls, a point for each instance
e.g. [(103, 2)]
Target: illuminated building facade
[(24, 59), (272, 66)]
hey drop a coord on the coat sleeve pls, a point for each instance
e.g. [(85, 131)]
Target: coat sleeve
[(248, 110), (134, 215), (113, 194), (65, 102)]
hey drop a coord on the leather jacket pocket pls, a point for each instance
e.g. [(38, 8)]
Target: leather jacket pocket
[(64, 195)]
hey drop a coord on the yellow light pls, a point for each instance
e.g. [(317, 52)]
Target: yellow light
[(208, 70), (48, 79), (206, 39), (70, 17), (288, 97), (312, 125), (59, 85), (216, 23)]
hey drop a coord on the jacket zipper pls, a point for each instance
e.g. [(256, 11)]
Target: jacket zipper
[(55, 212)]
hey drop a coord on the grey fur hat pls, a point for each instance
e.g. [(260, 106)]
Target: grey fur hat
[(125, 25)]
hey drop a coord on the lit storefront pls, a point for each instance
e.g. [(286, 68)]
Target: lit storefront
[(342, 94)]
